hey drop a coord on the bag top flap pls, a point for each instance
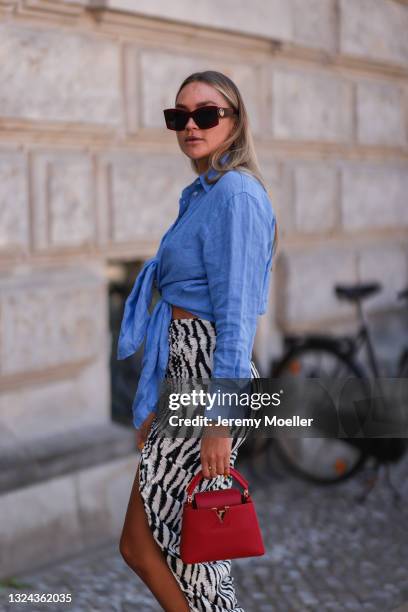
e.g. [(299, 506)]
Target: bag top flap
[(221, 497)]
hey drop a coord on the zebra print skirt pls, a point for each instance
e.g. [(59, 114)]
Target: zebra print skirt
[(167, 465)]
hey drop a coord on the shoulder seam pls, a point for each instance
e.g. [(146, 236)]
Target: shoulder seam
[(238, 193), (253, 197)]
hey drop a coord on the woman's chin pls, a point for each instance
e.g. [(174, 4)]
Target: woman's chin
[(195, 153)]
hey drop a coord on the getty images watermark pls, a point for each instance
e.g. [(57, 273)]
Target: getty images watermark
[(213, 401), (318, 407)]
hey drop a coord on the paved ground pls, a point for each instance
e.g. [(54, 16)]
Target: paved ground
[(325, 552)]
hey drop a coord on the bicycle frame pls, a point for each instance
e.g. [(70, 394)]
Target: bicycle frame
[(363, 336)]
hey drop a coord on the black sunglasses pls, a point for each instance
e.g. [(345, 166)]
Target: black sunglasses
[(204, 117)]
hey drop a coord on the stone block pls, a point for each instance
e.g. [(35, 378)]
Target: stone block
[(316, 187), (163, 73), (132, 87), (314, 23), (56, 406), (70, 77), (14, 227), (51, 318), (387, 264), (277, 175), (272, 19), (309, 105), (64, 209), (374, 30), (38, 522), (308, 281), (144, 193), (374, 196), (380, 114)]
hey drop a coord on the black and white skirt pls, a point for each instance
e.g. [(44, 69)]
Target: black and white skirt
[(167, 466)]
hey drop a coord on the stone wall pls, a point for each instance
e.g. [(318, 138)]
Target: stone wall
[(89, 175)]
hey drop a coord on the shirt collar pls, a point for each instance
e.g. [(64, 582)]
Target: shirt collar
[(211, 173)]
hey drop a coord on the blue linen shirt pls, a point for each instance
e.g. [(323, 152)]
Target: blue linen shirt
[(214, 261)]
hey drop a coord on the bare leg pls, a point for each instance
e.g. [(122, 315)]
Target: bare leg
[(142, 553)]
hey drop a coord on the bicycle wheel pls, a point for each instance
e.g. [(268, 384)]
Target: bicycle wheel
[(320, 460)]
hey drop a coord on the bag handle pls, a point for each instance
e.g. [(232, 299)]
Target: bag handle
[(233, 472)]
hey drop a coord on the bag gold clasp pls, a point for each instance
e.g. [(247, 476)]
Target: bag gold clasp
[(220, 512)]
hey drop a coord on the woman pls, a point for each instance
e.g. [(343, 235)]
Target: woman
[(212, 269)]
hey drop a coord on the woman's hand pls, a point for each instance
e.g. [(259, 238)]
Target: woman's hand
[(215, 452), (143, 432)]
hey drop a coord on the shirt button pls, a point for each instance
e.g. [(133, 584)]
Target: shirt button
[(195, 193)]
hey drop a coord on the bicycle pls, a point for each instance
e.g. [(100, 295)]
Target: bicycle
[(330, 460), (403, 361)]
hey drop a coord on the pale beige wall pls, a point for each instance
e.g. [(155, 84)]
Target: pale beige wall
[(88, 173)]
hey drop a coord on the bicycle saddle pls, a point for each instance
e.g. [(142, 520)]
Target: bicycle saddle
[(357, 291)]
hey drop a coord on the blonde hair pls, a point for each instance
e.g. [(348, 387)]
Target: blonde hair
[(239, 144)]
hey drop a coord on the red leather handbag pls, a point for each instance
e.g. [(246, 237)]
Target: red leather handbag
[(219, 525)]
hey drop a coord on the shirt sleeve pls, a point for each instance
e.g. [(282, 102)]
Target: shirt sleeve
[(237, 256)]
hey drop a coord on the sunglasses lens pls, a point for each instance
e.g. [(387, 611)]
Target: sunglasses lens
[(206, 117), (175, 119)]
